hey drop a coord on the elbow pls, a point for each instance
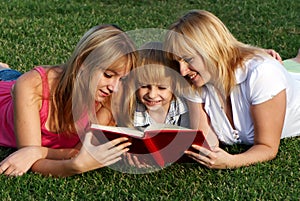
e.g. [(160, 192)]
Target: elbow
[(271, 154)]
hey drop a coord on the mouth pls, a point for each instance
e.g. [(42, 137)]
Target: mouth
[(192, 75), (151, 103), (103, 93)]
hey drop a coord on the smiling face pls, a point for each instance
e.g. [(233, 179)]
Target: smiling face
[(194, 69), (156, 96)]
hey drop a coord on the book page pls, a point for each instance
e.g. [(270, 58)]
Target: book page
[(122, 130), (165, 127)]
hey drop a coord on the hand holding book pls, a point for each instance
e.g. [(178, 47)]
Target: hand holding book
[(164, 143)]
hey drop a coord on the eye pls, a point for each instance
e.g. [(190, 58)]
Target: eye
[(107, 75), (162, 87), (188, 60), (144, 86), (122, 79)]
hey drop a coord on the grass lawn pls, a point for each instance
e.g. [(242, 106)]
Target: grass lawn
[(46, 32)]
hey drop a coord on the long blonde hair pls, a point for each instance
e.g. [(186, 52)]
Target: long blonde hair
[(102, 47), (199, 32)]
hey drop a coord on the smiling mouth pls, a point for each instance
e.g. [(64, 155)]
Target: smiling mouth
[(152, 102), (192, 75)]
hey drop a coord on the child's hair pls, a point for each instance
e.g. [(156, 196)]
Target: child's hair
[(152, 67), (102, 47)]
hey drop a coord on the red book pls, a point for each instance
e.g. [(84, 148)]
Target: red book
[(164, 143)]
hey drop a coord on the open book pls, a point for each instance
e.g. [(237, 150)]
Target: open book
[(163, 143)]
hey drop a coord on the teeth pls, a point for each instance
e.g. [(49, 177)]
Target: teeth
[(153, 102), (192, 76)]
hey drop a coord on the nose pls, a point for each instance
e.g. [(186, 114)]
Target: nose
[(152, 92), (184, 69), (113, 86)]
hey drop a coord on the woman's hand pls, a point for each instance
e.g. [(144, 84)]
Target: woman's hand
[(93, 156), (216, 158), (19, 162), (274, 54)]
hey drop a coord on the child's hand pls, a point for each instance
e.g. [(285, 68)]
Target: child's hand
[(135, 161), (19, 162)]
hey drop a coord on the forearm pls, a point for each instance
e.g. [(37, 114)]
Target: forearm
[(56, 168), (61, 154), (257, 153)]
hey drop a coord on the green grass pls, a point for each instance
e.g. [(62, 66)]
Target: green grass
[(45, 32)]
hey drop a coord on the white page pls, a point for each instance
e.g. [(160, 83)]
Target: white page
[(128, 131), (165, 127)]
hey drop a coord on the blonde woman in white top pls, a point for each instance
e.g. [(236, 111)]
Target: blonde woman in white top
[(245, 96)]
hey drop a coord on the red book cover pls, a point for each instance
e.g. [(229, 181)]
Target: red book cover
[(164, 143)]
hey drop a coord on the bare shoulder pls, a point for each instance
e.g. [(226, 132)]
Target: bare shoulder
[(28, 88), (29, 81)]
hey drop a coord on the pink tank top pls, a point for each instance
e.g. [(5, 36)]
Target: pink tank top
[(49, 139)]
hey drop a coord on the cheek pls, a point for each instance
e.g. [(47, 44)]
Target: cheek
[(168, 95), (140, 93)]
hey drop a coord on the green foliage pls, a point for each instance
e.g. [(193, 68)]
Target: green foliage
[(46, 32)]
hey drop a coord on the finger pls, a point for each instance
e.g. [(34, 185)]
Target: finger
[(1, 170), (199, 161), (114, 142), (198, 156), (112, 156), (88, 137), (202, 150), (9, 171), (137, 162), (16, 173), (129, 159), (113, 161)]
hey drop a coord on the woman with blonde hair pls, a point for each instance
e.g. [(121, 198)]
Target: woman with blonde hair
[(48, 110), (245, 96)]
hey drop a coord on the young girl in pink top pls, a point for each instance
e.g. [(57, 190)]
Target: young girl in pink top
[(47, 111)]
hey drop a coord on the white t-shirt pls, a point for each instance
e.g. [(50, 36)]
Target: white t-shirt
[(261, 80)]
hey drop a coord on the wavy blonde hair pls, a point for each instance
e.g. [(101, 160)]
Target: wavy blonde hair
[(199, 32), (102, 47)]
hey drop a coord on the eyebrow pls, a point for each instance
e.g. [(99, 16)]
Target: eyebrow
[(112, 71)]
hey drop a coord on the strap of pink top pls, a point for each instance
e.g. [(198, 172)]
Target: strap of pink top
[(45, 94)]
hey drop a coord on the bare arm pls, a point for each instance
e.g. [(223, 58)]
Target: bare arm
[(89, 158), (268, 122), (200, 120), (27, 103)]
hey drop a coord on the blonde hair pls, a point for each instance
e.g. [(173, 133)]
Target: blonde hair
[(201, 33), (102, 47), (152, 68)]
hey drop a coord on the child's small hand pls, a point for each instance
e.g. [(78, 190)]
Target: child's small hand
[(135, 161)]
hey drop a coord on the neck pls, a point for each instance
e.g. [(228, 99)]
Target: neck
[(159, 116), (297, 58)]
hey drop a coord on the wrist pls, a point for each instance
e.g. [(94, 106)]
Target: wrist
[(44, 152), (75, 166)]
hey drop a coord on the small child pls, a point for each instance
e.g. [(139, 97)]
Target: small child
[(153, 92)]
